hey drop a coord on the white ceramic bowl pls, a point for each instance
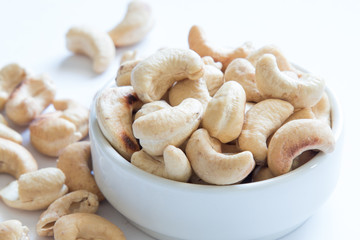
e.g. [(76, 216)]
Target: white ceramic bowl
[(167, 209)]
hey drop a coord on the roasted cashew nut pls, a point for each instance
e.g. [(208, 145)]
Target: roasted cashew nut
[(151, 107), (215, 167), (272, 83), (173, 165), (114, 108), (11, 75), (79, 201), (261, 121), (31, 98), (243, 72), (169, 126), (199, 43), (13, 230), (93, 43), (123, 77), (75, 162), (86, 226), (15, 159), (136, 24), (35, 190), (153, 76), (224, 115), (294, 138), (9, 133), (51, 132)]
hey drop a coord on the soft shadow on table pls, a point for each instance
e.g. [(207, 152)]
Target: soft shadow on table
[(77, 65)]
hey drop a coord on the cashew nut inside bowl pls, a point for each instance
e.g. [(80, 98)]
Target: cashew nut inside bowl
[(13, 230)]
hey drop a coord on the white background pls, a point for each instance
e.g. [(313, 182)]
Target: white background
[(321, 36)]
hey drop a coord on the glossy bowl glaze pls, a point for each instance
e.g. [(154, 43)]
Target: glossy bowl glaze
[(167, 209)]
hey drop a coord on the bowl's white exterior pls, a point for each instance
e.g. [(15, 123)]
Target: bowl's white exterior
[(167, 209)]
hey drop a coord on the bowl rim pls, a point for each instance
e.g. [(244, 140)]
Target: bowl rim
[(317, 161)]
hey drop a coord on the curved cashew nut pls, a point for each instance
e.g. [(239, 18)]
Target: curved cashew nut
[(173, 165), (189, 89), (214, 167), (152, 77), (35, 190), (123, 77), (79, 201), (13, 230), (15, 159), (294, 138), (93, 43), (243, 72), (272, 83), (136, 24), (114, 107), (11, 75), (224, 115), (30, 99), (86, 226), (213, 77), (261, 121), (75, 163), (169, 126), (151, 107), (51, 132), (8, 133), (199, 43), (322, 109)]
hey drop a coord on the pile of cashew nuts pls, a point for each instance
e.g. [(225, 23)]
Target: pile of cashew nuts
[(210, 115)]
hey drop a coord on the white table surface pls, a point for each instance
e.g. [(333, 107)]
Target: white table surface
[(321, 36)]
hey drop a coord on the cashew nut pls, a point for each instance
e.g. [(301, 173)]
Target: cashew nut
[(79, 201), (261, 121), (11, 75), (15, 159), (8, 133), (13, 230), (93, 43), (169, 126), (75, 163), (86, 226), (35, 190), (136, 24), (189, 89), (243, 72), (224, 115), (123, 77), (215, 167), (272, 83), (294, 138), (199, 43), (30, 99), (52, 132), (151, 107), (173, 165), (114, 108), (322, 109), (152, 77)]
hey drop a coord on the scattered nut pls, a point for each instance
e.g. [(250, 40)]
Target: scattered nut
[(13, 230), (272, 83), (261, 121), (86, 226), (213, 166), (199, 43), (11, 75), (15, 159), (169, 126), (29, 99), (224, 115), (75, 162), (123, 77), (93, 43), (35, 190), (136, 24), (114, 108), (51, 132), (148, 78), (294, 138), (80, 201)]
